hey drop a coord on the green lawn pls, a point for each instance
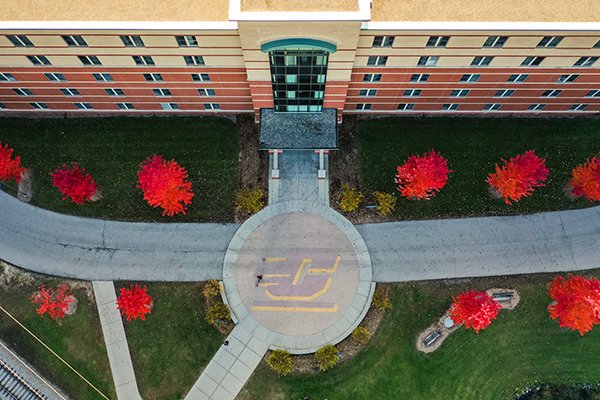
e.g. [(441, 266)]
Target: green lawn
[(173, 344), (519, 348), (112, 148), (78, 339), (473, 146)]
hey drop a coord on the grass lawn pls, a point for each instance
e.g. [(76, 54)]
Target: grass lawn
[(112, 148), (473, 146), (519, 348), (78, 339), (173, 344)]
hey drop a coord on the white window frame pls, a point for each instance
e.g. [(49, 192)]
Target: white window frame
[(414, 78), (3, 106), (23, 92), (7, 77), (459, 92), (143, 60), (39, 60), (551, 93), (160, 92), (412, 92), (132, 41), (115, 92), (125, 106), (578, 107), (74, 40), (518, 78), (212, 106), (371, 77), (363, 107), (493, 41), (492, 107), (90, 60), (194, 60), (428, 61), (70, 92), (437, 41), (20, 40), (106, 77), (504, 92), (204, 92), (481, 61), (377, 60), (567, 78), (586, 61), (39, 106), (55, 77), (385, 41), (405, 107), (593, 93), (550, 41), (532, 61), (470, 78), (186, 40), (154, 77), (84, 106), (536, 107), (201, 77), (450, 107), (367, 92), (169, 106)]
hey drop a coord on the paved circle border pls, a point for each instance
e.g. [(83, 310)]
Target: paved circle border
[(333, 334)]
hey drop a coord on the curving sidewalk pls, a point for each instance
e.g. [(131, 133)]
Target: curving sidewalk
[(98, 250)]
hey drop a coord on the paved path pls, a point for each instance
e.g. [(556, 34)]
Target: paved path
[(93, 249), (116, 341), (438, 249), (298, 178)]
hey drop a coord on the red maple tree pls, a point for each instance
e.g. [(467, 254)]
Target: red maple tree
[(134, 302), (585, 179), (474, 309), (53, 302), (519, 176), (73, 182), (164, 185), (577, 302), (422, 175), (10, 168)]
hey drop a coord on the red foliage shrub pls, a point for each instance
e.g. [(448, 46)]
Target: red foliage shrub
[(164, 185), (586, 180), (73, 182), (54, 302), (421, 176), (474, 309), (518, 176), (577, 302), (10, 168), (134, 302)]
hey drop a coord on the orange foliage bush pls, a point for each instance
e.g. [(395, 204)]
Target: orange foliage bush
[(586, 180), (53, 302), (10, 168), (73, 182), (422, 175), (577, 302), (134, 302), (474, 309)]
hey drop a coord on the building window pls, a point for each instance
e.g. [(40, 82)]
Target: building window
[(567, 78), (586, 61), (532, 61), (74, 41), (23, 92), (54, 77), (363, 107), (470, 78), (377, 60), (153, 78), (83, 106), (517, 78), (7, 77), (3, 106), (39, 60), (39, 106), (428, 61), (551, 93), (437, 41), (367, 92), (578, 107), (212, 106), (420, 77), (132, 40), (206, 92), (504, 93), (383, 41), (459, 92), (412, 92), (89, 60), (372, 78), (492, 107), (495, 41), (201, 77), (536, 107), (450, 107), (481, 61), (593, 93), (550, 41), (114, 92), (125, 106), (169, 106), (103, 77), (405, 107), (143, 60), (186, 41), (194, 60), (597, 45), (20, 41), (161, 92), (70, 92)]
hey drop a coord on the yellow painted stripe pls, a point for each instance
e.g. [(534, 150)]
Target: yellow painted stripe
[(295, 309), (274, 259), (301, 298), (267, 284), (300, 269), (330, 270), (276, 275)]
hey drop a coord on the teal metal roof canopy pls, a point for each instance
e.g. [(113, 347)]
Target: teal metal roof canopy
[(301, 43)]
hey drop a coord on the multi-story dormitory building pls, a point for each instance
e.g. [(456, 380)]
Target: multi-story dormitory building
[(359, 56)]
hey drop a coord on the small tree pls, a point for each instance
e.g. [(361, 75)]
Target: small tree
[(74, 183), (577, 302), (474, 309), (55, 303), (350, 198), (585, 179), (327, 357), (10, 168), (421, 176), (519, 176), (280, 361), (386, 202), (164, 184), (134, 302)]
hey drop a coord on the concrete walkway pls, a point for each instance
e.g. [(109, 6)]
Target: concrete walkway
[(116, 341), (298, 178), (93, 249)]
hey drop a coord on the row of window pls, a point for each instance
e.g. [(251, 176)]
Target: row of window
[(482, 61), (490, 42), (114, 92), (120, 106), (465, 92), (94, 60), (456, 106), (79, 41), (471, 78), (102, 77)]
